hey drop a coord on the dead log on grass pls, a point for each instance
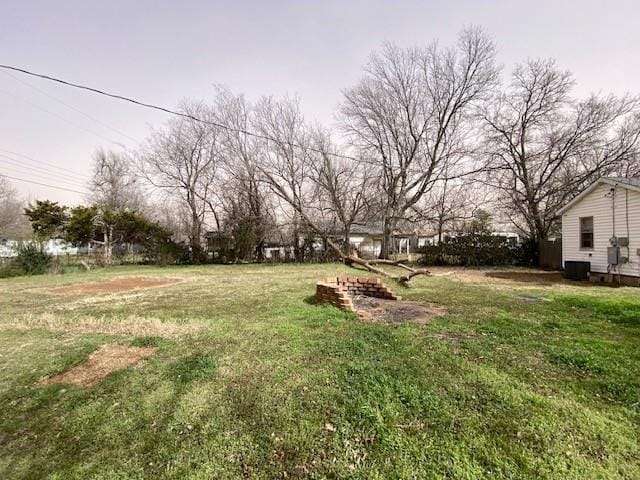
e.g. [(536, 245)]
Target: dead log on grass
[(371, 265)]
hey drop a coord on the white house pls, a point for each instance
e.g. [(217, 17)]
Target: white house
[(601, 226), (54, 246)]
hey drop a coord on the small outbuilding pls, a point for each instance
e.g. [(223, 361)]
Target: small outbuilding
[(601, 232)]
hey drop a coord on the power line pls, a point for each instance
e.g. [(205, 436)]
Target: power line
[(169, 111), (90, 117), (26, 169), (50, 172), (14, 171), (22, 171), (36, 176), (88, 130), (42, 184), (42, 162)]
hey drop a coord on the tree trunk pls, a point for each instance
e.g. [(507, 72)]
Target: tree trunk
[(387, 239), (194, 238), (347, 240), (260, 251), (108, 237), (298, 252)]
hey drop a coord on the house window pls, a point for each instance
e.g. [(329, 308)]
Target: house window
[(586, 232)]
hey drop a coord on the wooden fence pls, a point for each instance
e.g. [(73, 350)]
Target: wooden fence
[(550, 254)]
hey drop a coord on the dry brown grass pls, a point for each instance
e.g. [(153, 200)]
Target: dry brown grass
[(114, 286), (107, 359), (130, 325)]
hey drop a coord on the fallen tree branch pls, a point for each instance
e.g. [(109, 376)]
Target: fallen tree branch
[(405, 278), (349, 260), (384, 261), (406, 267)]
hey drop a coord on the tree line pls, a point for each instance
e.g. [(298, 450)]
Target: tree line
[(426, 135)]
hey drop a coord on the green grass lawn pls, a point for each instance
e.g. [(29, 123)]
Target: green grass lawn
[(252, 380)]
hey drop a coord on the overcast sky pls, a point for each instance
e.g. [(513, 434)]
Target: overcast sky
[(163, 51)]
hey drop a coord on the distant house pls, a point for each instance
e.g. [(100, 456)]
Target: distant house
[(54, 246), (601, 231), (8, 248), (222, 246), (367, 239)]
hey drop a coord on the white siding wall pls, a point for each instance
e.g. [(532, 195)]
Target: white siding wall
[(599, 206)]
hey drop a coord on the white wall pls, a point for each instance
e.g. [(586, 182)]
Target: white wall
[(356, 240), (599, 206), (52, 247), (8, 249), (367, 246), (280, 252), (422, 241)]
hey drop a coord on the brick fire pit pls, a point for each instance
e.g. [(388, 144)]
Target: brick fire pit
[(339, 291)]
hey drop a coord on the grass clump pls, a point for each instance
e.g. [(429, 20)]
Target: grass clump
[(30, 260), (194, 367)]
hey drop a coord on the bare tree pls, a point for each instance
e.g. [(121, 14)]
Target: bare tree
[(12, 219), (173, 214), (447, 205), (411, 116), (285, 160), (181, 160), (287, 166), (543, 146), (345, 187), (245, 199), (114, 183)]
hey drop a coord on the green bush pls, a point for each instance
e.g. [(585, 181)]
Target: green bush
[(471, 249), (11, 269), (32, 260), (164, 251), (526, 255)]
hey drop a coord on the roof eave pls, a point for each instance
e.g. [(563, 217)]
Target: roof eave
[(592, 187)]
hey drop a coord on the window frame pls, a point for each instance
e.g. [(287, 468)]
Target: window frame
[(581, 233)]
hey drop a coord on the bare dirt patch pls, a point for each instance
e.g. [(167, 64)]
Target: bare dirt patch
[(107, 359), (537, 277), (115, 286), (508, 277), (394, 311)]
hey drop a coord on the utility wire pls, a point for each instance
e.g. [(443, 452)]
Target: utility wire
[(36, 176), (44, 175), (169, 111), (90, 117), (42, 184), (88, 130), (49, 172), (33, 160)]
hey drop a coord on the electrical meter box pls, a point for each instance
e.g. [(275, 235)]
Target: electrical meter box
[(623, 241), (612, 255)]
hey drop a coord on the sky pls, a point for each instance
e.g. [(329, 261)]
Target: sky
[(162, 52)]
